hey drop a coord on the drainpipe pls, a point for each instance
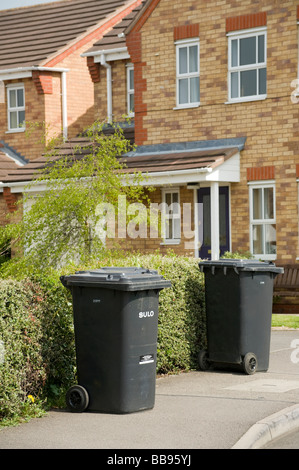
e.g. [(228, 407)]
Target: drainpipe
[(109, 87), (64, 105)]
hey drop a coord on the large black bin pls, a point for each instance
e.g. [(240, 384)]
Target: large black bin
[(116, 321), (239, 297)]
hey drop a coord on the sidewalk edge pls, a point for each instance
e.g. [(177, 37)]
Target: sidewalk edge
[(270, 428)]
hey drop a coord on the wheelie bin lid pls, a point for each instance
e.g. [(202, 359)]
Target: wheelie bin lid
[(118, 278), (241, 265)]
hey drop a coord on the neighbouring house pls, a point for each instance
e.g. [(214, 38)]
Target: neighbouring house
[(46, 88), (211, 89)]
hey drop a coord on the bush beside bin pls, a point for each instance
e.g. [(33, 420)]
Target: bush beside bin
[(36, 346)]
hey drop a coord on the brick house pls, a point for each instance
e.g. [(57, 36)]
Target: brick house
[(213, 101), (43, 77), (215, 120)]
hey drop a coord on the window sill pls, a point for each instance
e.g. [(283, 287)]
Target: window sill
[(247, 100), (171, 242), (265, 257), (187, 106), (14, 131)]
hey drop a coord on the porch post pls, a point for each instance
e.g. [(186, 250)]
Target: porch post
[(196, 234), (215, 221)]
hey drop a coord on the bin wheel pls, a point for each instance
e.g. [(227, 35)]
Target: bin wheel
[(77, 398), (203, 361), (250, 363)]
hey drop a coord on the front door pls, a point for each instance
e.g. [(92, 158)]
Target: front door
[(204, 218)]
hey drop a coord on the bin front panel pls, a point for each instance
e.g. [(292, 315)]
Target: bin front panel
[(116, 345), (256, 315), (223, 315)]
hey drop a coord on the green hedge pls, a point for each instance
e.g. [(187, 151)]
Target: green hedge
[(22, 372), (37, 337), (36, 345), (181, 327)]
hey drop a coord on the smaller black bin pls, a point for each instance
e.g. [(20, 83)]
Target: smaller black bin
[(116, 322), (239, 298)]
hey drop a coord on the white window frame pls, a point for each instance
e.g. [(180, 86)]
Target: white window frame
[(10, 109), (130, 90), (189, 75), (169, 215), (262, 221), (238, 35)]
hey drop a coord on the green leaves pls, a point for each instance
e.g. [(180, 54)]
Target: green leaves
[(182, 318), (59, 224), (22, 370), (37, 344)]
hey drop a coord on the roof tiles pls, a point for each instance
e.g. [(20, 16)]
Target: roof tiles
[(177, 161), (113, 40), (7, 165), (30, 36)]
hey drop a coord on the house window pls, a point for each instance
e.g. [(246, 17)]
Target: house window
[(130, 90), (263, 221), (16, 107), (187, 70), (247, 65), (171, 216)]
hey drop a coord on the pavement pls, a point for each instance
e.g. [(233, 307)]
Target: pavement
[(215, 409)]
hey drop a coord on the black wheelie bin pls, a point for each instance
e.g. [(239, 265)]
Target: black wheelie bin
[(239, 298), (116, 321)]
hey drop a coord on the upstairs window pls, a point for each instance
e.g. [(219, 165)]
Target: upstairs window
[(16, 107), (130, 90), (187, 71), (247, 65)]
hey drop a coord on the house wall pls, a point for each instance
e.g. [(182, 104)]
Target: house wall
[(119, 92), (80, 91), (3, 211), (270, 125), (153, 240), (29, 145)]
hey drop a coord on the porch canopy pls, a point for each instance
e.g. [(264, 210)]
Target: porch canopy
[(187, 162)]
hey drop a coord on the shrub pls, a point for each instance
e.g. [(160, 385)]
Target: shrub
[(181, 327), (36, 345), (22, 372), (237, 255), (58, 345)]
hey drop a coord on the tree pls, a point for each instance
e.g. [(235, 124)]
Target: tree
[(61, 223)]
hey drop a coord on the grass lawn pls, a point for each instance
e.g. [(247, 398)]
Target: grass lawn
[(289, 321)]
